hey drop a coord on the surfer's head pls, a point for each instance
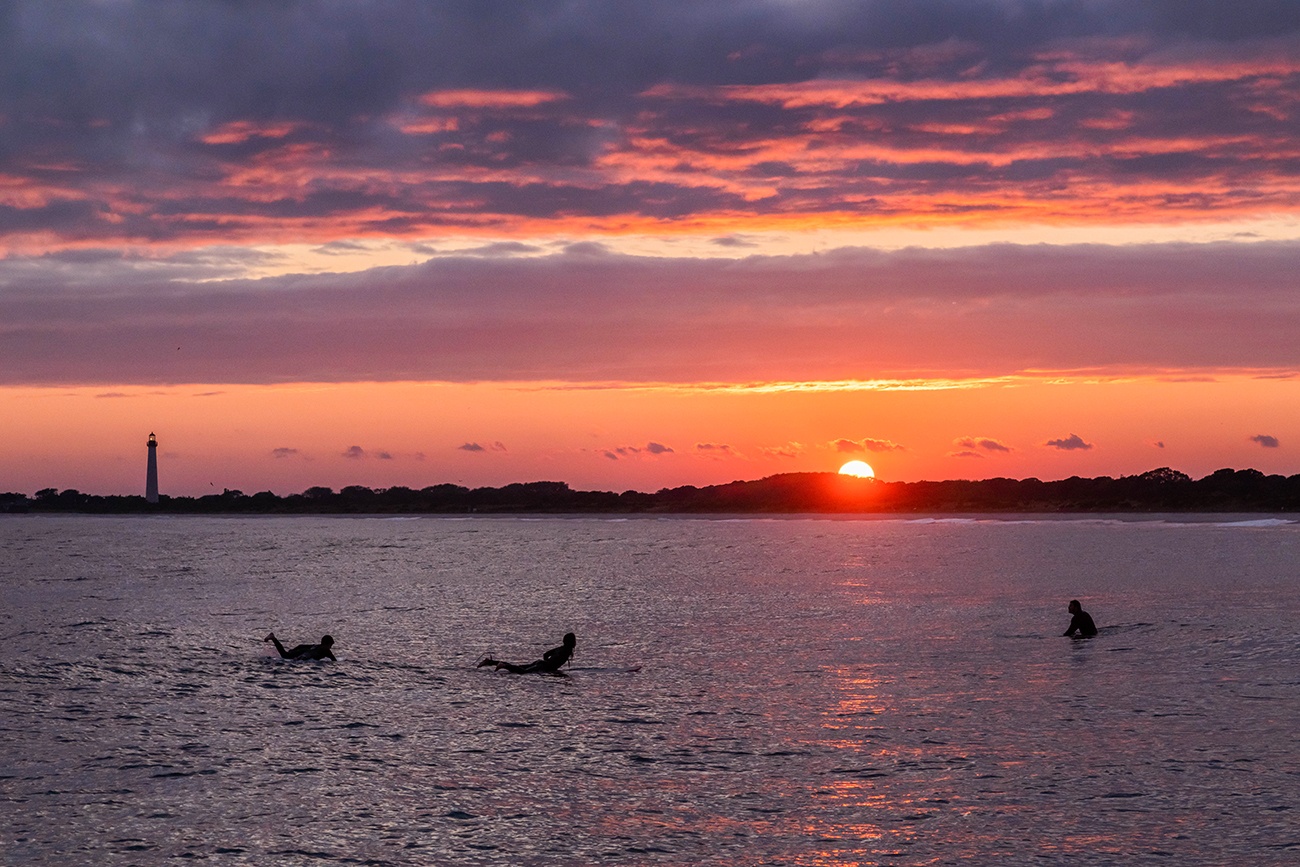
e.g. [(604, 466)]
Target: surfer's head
[(326, 640), (570, 639), (1074, 606)]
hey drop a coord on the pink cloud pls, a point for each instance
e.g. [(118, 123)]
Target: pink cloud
[(240, 131)]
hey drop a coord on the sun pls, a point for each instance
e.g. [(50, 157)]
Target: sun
[(861, 469)]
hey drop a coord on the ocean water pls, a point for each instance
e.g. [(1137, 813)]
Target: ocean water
[(810, 692)]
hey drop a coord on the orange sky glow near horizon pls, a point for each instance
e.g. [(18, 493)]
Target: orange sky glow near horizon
[(286, 438), (951, 246)]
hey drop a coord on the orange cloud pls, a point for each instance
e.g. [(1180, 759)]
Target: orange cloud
[(1056, 75), (427, 126), (490, 99), (239, 131)]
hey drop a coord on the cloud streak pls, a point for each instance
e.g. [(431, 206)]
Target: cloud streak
[(477, 447), (866, 444), (987, 444), (652, 449)]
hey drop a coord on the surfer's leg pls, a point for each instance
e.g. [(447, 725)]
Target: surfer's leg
[(514, 669), (278, 646), (487, 660)]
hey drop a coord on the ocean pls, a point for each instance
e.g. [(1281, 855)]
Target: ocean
[(807, 691)]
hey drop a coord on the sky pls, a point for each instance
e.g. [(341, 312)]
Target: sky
[(631, 246)]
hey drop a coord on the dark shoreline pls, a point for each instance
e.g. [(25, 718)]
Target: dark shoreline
[(1157, 491)]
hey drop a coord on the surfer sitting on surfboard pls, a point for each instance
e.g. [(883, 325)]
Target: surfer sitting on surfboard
[(305, 651), (549, 663), (1081, 622)]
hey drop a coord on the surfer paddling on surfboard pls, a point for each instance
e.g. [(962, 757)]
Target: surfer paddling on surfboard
[(549, 663), (305, 651)]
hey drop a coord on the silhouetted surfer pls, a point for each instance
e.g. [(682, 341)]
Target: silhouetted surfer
[(549, 663), (1081, 622), (305, 651)]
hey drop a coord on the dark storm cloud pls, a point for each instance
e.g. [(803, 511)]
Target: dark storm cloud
[(589, 315)]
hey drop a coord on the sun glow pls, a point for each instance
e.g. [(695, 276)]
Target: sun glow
[(861, 469)]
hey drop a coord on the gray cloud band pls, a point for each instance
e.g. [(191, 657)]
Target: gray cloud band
[(591, 316)]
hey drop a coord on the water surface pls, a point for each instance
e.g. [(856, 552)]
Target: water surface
[(811, 692)]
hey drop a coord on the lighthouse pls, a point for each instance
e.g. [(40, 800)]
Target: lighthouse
[(151, 477)]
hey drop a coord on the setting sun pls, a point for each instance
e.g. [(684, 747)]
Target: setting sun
[(861, 469)]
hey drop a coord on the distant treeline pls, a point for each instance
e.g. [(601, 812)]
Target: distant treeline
[(1161, 490)]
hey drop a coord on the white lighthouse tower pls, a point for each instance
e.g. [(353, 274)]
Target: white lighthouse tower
[(151, 477)]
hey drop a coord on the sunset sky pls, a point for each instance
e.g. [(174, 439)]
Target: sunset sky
[(633, 245)]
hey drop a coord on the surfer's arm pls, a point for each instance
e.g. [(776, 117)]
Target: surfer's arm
[(555, 657)]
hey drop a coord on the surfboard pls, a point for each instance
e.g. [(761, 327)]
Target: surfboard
[(583, 669)]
